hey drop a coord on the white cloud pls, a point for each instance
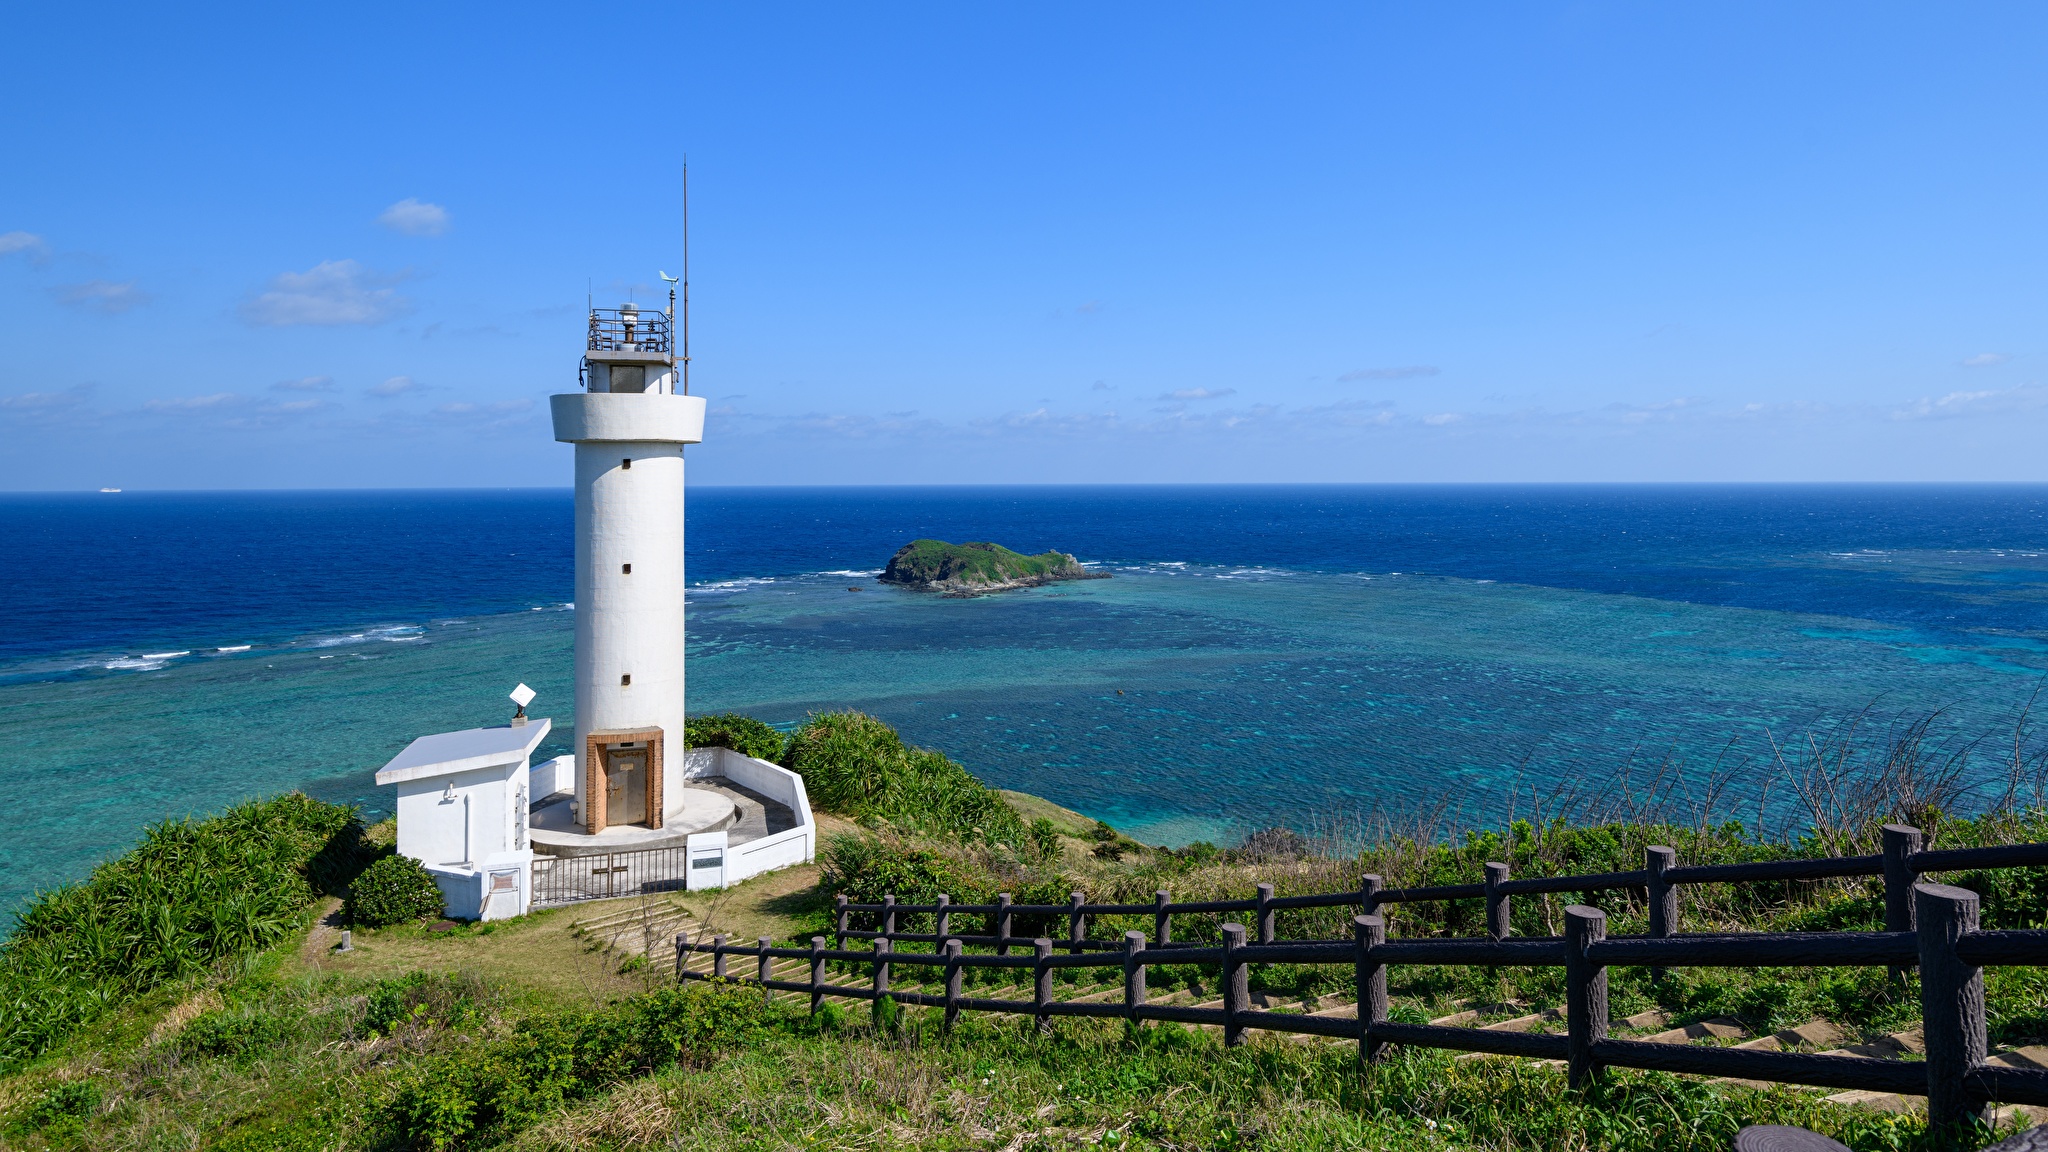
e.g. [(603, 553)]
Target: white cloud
[(49, 408), (1985, 359), (108, 296), (305, 384), (415, 218), (186, 405), (329, 293), (396, 386), (1403, 373), (44, 401), (2022, 398), (1101, 386), (1442, 418), (28, 242), (1197, 394)]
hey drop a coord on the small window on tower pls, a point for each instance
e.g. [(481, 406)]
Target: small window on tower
[(625, 569), (626, 680), (625, 463)]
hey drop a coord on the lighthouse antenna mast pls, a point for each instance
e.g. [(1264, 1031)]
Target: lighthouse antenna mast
[(686, 288), (685, 277)]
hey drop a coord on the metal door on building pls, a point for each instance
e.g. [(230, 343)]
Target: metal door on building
[(625, 783)]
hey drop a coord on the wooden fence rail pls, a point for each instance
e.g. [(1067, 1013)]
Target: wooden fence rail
[(1930, 926), (1901, 864), (1946, 944)]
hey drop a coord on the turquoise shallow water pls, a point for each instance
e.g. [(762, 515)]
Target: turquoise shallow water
[(1180, 702), (1260, 656)]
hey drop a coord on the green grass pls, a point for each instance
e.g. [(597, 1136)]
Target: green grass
[(335, 1062)]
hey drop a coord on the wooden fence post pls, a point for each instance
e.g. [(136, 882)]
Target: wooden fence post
[(883, 948), (1236, 986), (718, 957), (952, 983), (1041, 982), (1370, 932), (839, 919), (942, 919), (1585, 989), (682, 947), (1657, 860), (1002, 932), (817, 973), (1162, 920), (1077, 924), (1900, 842), (888, 915), (1369, 887), (1496, 901), (1951, 1001), (1134, 975), (767, 969), (1265, 914)]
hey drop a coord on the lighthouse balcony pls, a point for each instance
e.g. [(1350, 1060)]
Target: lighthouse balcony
[(627, 329)]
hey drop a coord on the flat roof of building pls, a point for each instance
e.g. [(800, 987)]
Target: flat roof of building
[(446, 753)]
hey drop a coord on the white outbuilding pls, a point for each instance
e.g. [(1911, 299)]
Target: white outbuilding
[(462, 812)]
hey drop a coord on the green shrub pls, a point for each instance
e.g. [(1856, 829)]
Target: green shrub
[(63, 1109), (422, 1000), (490, 1089), (856, 765), (1045, 839), (866, 868), (743, 734), (391, 891), (191, 895), (236, 1035)]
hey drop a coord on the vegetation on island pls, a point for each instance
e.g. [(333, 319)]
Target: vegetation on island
[(525, 1035), (977, 566)]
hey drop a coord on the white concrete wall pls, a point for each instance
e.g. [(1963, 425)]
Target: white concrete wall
[(552, 776), (797, 845), (630, 624), (431, 829), (488, 803)]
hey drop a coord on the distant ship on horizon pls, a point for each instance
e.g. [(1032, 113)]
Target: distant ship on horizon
[(110, 489)]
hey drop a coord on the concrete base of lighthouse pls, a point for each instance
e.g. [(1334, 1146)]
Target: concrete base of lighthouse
[(554, 832)]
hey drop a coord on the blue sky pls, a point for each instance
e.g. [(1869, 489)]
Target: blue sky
[(274, 247)]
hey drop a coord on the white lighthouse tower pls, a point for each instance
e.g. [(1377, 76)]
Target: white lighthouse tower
[(629, 426)]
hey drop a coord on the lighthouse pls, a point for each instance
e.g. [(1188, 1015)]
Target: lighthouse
[(500, 834), (629, 425)]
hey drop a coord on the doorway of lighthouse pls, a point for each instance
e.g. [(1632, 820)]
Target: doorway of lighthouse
[(621, 779), (625, 784)]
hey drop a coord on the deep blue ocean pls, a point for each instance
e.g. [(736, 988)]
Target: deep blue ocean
[(1273, 654)]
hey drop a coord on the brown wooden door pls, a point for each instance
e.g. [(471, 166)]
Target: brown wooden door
[(625, 782)]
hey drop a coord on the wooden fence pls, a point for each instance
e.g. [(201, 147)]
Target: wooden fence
[(1933, 927)]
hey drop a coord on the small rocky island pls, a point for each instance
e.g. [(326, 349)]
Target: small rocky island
[(978, 567)]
